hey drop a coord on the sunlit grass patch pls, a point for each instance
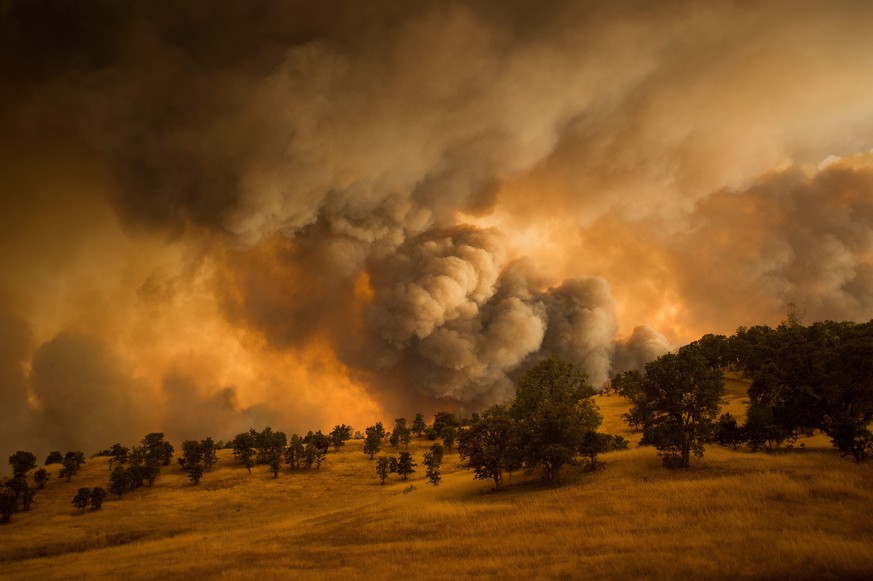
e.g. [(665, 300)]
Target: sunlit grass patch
[(795, 514)]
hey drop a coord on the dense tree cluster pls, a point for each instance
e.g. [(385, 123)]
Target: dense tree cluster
[(339, 434), (677, 404), (71, 463), (197, 458), (86, 497), (16, 493), (803, 379), (818, 377), (140, 465)]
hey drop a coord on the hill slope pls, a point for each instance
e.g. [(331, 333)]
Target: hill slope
[(800, 514)]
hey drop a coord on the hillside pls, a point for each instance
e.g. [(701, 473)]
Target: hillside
[(798, 514)]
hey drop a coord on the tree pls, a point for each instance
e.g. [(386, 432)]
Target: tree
[(313, 454), (441, 421), (383, 468), (405, 465), (244, 449), (851, 438), (8, 503), (209, 450), (191, 460), (339, 435), (158, 448), (22, 462), (487, 446), (97, 497), (716, 350), (432, 461), (119, 481), (728, 433), (151, 470), (118, 453), (373, 440), (595, 443), (40, 477), (24, 494), (70, 466), (683, 397), (418, 426), (761, 430), (400, 434), (318, 440), (54, 458), (294, 452), (269, 444), (145, 464), (275, 464), (819, 377), (449, 434), (82, 498), (553, 409), (195, 473)]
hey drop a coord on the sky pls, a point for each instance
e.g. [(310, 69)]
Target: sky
[(222, 215)]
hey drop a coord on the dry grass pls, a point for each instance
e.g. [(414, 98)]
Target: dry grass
[(803, 514)]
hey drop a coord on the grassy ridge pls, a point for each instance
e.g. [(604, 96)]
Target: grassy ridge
[(803, 514)]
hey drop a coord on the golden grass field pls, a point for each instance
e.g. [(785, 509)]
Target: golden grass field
[(803, 514)]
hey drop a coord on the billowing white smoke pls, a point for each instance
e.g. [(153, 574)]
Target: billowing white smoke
[(643, 345), (461, 319)]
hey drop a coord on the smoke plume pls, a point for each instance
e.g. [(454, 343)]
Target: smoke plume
[(218, 214)]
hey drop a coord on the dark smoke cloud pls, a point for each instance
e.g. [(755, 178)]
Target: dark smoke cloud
[(643, 345), (191, 414), (801, 236), (87, 397), (16, 429), (318, 166)]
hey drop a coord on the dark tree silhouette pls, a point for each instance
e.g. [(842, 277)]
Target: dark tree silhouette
[(433, 459), (294, 452), (595, 443), (405, 465), (244, 449), (210, 452), (192, 460), (553, 410), (8, 502), (418, 426), (373, 440), (118, 454), (401, 433), (54, 458), (119, 481), (22, 462), (82, 498), (97, 497), (383, 468), (728, 433), (158, 448), (441, 421), (682, 397), (488, 446), (339, 435), (72, 462), (40, 477)]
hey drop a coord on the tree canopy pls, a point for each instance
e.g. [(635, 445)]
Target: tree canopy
[(681, 398), (553, 411)]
